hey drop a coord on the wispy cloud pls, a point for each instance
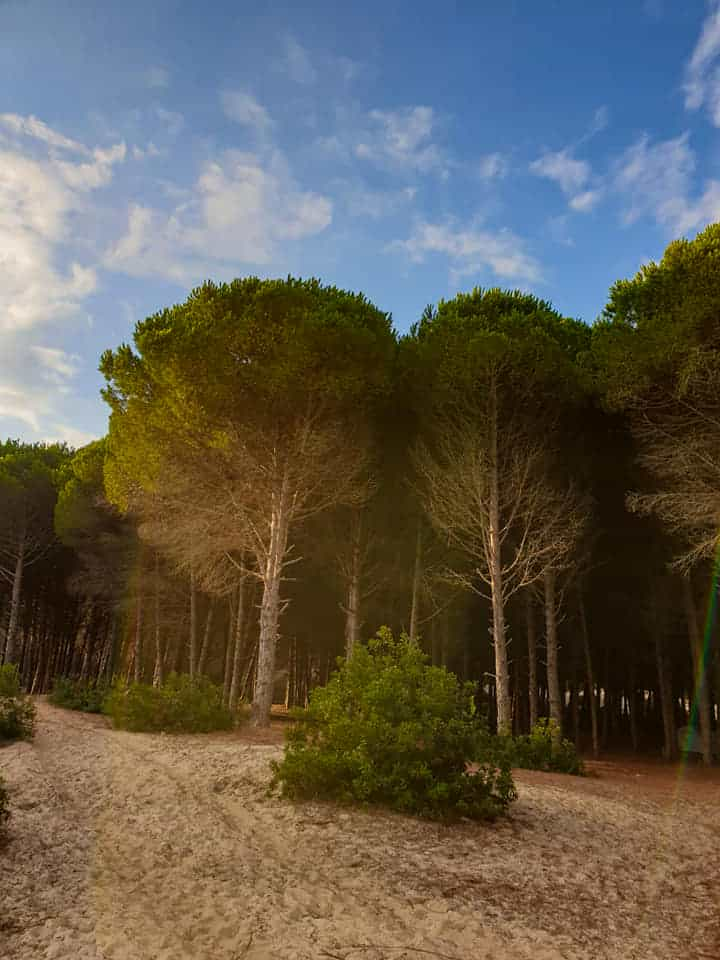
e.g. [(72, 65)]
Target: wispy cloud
[(702, 73), (571, 175), (243, 108), (157, 78), (402, 139), (493, 166), (296, 62), (656, 180), (472, 251)]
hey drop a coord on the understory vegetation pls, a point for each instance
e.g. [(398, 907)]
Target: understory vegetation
[(389, 729), (544, 749), (17, 711), (181, 704), (85, 695)]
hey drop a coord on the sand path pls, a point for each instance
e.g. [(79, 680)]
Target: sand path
[(142, 847)]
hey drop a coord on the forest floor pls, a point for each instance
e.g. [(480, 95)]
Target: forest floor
[(146, 847)]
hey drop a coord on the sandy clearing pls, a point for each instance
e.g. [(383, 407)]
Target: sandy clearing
[(141, 847)]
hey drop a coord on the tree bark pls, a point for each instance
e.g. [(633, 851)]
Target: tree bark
[(417, 579), (551, 650), (352, 609), (206, 639), (159, 656), (589, 674), (139, 632), (532, 658), (270, 609), (192, 656), (10, 643), (502, 673), (701, 699)]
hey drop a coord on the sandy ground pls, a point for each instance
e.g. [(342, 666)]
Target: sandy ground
[(143, 847)]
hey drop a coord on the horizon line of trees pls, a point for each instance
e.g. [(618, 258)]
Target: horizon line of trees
[(534, 500)]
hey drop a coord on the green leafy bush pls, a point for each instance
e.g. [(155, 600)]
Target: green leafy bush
[(389, 729), (17, 711), (180, 705), (4, 806), (544, 749), (86, 695)]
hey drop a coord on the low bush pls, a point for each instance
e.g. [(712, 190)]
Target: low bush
[(86, 695), (180, 705), (17, 711), (389, 729), (544, 749)]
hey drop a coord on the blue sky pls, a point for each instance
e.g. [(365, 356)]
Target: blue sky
[(405, 149)]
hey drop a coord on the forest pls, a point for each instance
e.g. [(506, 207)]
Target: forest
[(534, 500)]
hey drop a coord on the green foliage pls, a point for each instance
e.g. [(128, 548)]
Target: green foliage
[(180, 705), (389, 729), (544, 749), (17, 711), (85, 695), (4, 806)]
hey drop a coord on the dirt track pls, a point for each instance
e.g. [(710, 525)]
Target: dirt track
[(139, 847)]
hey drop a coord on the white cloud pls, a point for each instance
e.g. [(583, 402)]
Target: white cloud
[(402, 139), (376, 204), (656, 180), (32, 127), (492, 166), (297, 63), (157, 78), (172, 121), (472, 251), (243, 108), (569, 173), (585, 201), (64, 433), (702, 73), (240, 211), (58, 365)]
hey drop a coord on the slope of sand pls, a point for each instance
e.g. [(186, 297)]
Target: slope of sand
[(144, 847)]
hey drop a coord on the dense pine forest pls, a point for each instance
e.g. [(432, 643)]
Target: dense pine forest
[(534, 500)]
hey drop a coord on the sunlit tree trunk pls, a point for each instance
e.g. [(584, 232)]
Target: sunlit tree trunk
[(551, 649), (206, 638), (11, 642), (532, 658), (502, 673), (589, 674), (417, 580), (352, 608), (159, 657), (700, 693), (237, 645), (270, 608)]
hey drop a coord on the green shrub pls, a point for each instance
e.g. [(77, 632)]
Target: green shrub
[(17, 711), (389, 729), (4, 806), (180, 705), (544, 749), (85, 695)]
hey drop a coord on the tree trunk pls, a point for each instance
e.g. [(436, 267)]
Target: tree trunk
[(701, 699), (270, 610), (589, 674), (206, 639), (417, 579), (159, 656), (502, 673), (551, 650), (352, 609), (532, 658), (229, 644), (10, 644), (192, 657), (139, 633)]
